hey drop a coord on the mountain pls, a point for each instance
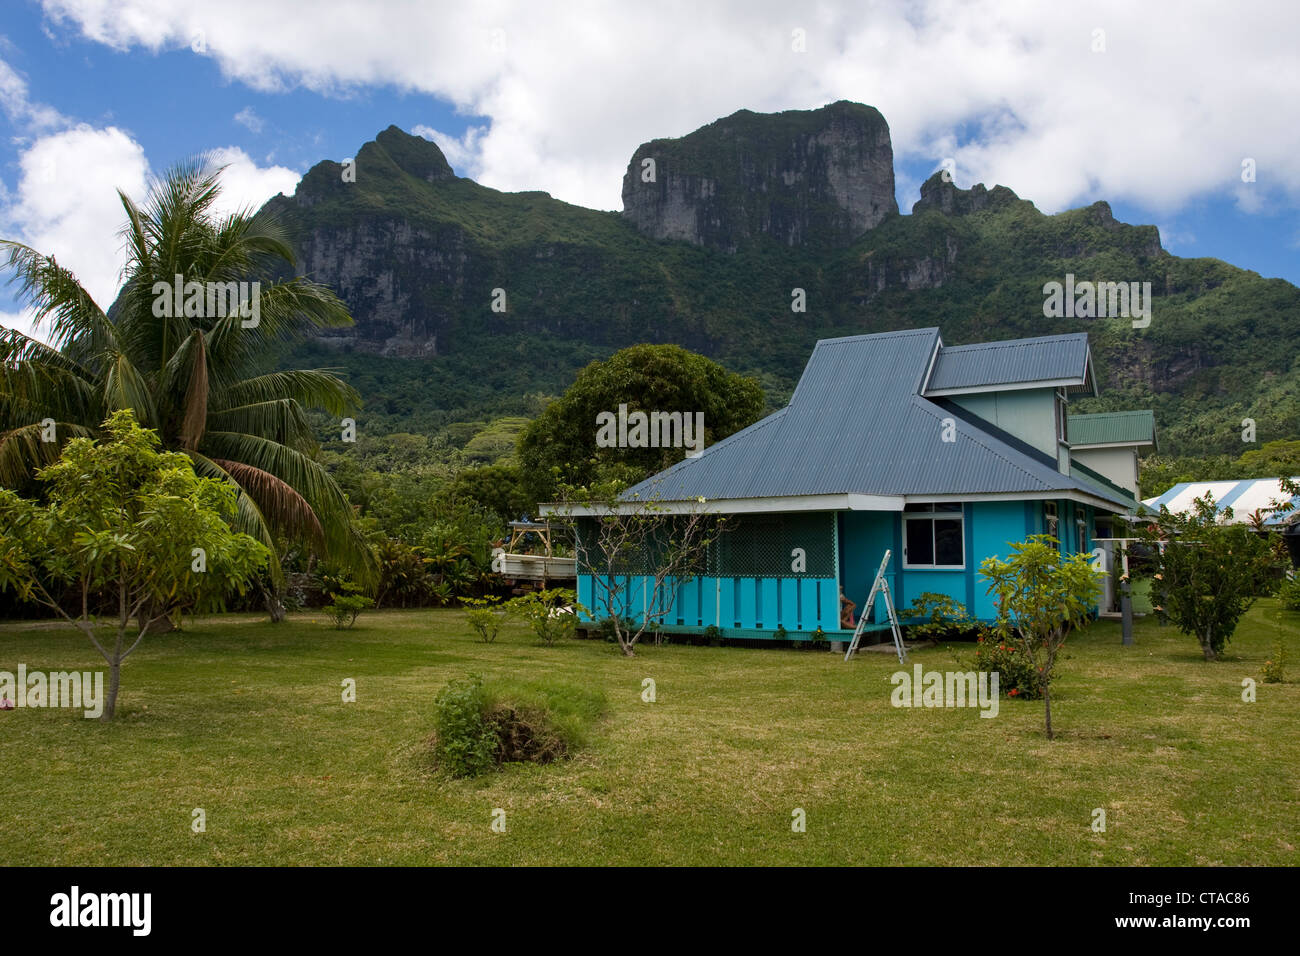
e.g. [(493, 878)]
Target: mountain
[(709, 253), (804, 178)]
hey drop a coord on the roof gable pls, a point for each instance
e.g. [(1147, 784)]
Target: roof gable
[(1112, 428), (1048, 361)]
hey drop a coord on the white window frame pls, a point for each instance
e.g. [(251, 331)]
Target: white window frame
[(1052, 521), (931, 515)]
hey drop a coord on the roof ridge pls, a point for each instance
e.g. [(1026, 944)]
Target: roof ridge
[(1008, 343)]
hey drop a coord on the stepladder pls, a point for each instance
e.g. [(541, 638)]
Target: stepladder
[(879, 586)]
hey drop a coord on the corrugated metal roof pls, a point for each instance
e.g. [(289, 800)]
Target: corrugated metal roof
[(1048, 358), (1112, 428), (1244, 497), (857, 425)]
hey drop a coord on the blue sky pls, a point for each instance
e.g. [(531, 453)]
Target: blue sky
[(523, 99)]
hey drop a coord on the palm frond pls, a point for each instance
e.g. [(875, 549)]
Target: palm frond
[(310, 388), (125, 387), (281, 421), (285, 507), (22, 452), (58, 298), (248, 516), (331, 507)]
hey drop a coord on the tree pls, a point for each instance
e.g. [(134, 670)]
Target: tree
[(187, 364), (1206, 575), (637, 550), (498, 488), (645, 378), (1272, 459), (1042, 596), (131, 522)]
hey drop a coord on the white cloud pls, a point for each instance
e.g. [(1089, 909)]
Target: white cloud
[(22, 321), (245, 185), (1165, 114), (464, 153), (66, 204), (18, 106), (1174, 238), (247, 117)]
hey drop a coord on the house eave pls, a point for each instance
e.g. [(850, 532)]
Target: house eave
[(836, 502), (1141, 443), (1075, 383), (781, 503)]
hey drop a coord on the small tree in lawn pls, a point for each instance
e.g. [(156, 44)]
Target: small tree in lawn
[(1206, 574), (1042, 596), (639, 549), (127, 522)]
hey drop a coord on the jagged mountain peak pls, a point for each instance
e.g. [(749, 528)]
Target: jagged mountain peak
[(817, 178)]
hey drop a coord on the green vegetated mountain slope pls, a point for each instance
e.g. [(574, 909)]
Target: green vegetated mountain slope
[(706, 254)]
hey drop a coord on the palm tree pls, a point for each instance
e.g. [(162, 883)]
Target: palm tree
[(195, 379)]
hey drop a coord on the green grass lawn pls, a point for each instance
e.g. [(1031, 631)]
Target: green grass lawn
[(245, 720)]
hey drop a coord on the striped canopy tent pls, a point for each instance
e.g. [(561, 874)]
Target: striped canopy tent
[(1244, 497)]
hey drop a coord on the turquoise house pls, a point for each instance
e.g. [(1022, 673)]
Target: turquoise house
[(941, 455)]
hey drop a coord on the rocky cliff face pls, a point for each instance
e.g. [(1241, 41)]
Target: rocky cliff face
[(816, 178), (945, 196)]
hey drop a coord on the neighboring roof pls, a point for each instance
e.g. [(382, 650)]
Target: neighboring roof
[(857, 425), (1244, 497), (1046, 361), (1112, 428)]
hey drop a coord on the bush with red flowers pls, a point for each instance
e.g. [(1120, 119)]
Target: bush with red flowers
[(1017, 675)]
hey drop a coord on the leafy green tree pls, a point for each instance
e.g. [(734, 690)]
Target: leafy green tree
[(192, 378), (128, 521), (1275, 459), (647, 378), (498, 488), (1042, 596), (1206, 575)]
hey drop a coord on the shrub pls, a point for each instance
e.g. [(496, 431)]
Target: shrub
[(478, 727), (934, 615), (1289, 594), (484, 616), (343, 612), (552, 614), (1275, 666), (1018, 675), (465, 744)]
